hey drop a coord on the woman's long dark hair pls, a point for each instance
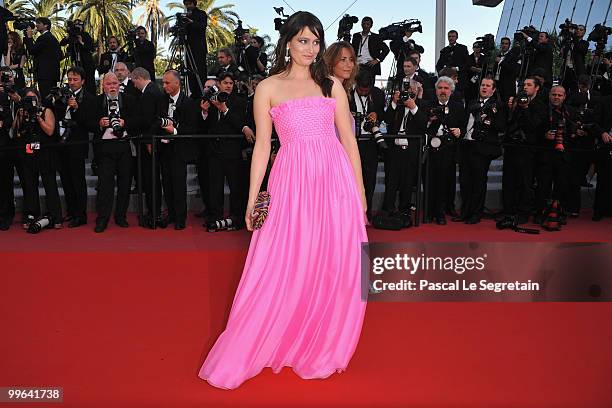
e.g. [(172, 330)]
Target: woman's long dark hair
[(294, 25), (17, 43)]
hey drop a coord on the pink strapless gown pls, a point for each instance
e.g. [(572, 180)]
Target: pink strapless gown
[(298, 303)]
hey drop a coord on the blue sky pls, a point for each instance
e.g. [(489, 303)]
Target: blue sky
[(469, 20)]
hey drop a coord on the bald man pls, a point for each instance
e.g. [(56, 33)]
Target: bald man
[(112, 151)]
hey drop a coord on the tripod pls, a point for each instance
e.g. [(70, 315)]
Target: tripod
[(183, 57)]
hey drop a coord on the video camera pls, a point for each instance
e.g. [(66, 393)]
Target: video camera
[(179, 29), (74, 28), (345, 25), (238, 33), (22, 23), (531, 31), (396, 31), (278, 21), (486, 43), (213, 93), (599, 34), (568, 32)]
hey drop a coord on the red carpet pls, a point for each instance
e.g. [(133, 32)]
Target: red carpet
[(125, 319)]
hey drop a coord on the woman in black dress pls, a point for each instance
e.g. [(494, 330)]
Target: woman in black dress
[(15, 58)]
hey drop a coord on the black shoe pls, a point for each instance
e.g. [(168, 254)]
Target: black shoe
[(179, 225), (597, 216), (441, 219), (77, 222), (5, 225), (473, 220), (68, 218), (459, 218), (100, 226), (122, 222)]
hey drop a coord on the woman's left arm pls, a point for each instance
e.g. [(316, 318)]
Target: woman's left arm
[(347, 136), (47, 122)]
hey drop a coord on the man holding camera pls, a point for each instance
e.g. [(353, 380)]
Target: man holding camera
[(144, 52), (224, 114), (47, 55), (573, 54), (481, 144), (80, 50), (527, 121), (543, 56), (196, 39), (72, 115), (369, 48), (367, 102), (180, 114), (404, 116), (113, 118), (111, 57), (506, 69)]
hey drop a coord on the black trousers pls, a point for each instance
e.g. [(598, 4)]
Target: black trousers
[(44, 86), (473, 169), (8, 163), (579, 164), (203, 175), (234, 170), (552, 170), (603, 191), (174, 180), (72, 174), (111, 165), (147, 181), (517, 181), (368, 152), (451, 181), (439, 164), (31, 198), (401, 170)]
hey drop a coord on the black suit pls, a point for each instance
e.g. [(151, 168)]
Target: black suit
[(72, 157), (114, 158), (603, 164), (82, 55), (231, 68), (9, 161), (401, 161), (144, 56), (176, 154), (542, 58), (475, 155), (505, 73), (578, 51), (129, 88), (47, 55), (225, 157), (106, 61), (376, 47), (454, 56), (472, 84), (368, 151), (196, 39)]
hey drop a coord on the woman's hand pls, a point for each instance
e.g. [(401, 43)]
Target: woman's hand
[(250, 216)]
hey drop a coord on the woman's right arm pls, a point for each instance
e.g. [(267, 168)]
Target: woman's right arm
[(261, 151)]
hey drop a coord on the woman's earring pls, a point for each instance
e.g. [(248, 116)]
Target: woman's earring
[(287, 56)]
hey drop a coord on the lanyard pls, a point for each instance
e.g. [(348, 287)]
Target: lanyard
[(362, 43)]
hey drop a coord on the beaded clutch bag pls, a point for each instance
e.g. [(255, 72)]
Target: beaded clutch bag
[(261, 209)]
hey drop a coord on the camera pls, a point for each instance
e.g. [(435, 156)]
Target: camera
[(483, 119), (345, 25), (131, 35), (113, 118), (60, 94), (531, 31), (522, 97), (36, 226), (238, 33), (5, 80), (486, 43), (568, 31), (225, 224), (278, 21), (213, 93), (179, 29), (599, 34), (447, 137), (22, 23), (396, 31), (372, 127), (74, 28), (165, 121), (66, 126)]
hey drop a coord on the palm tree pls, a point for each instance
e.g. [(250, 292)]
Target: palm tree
[(221, 23), (103, 18), (53, 9), (153, 19)]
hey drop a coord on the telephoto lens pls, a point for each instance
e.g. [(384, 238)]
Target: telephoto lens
[(224, 224), (39, 225)]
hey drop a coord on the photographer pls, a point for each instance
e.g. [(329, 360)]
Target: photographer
[(80, 50), (446, 124), (454, 55), (573, 54), (367, 102), (404, 116), (34, 127), (543, 56), (72, 112), (369, 48), (475, 68), (225, 117), (506, 69), (481, 144), (9, 159), (112, 120), (602, 207), (15, 58), (196, 39), (261, 60), (47, 55), (526, 124), (405, 47), (144, 52), (175, 153), (110, 58), (225, 63)]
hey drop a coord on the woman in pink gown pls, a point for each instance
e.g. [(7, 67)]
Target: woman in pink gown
[(299, 303)]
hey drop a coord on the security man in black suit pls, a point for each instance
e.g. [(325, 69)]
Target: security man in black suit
[(151, 104), (144, 52), (225, 154), (80, 50), (73, 126), (196, 39), (369, 101), (506, 69), (527, 120), (369, 48), (177, 153), (47, 54), (481, 144), (404, 116), (446, 124), (113, 119), (9, 159), (573, 55), (111, 57), (454, 55), (542, 57)]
